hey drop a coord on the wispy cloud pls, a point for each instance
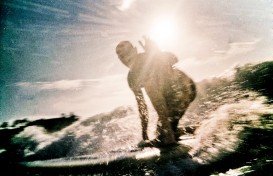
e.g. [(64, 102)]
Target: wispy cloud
[(235, 48), (125, 4), (84, 97), (57, 85), (242, 47)]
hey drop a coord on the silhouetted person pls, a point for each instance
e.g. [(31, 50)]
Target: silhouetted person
[(169, 89)]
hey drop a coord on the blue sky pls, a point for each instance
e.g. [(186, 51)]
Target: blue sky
[(59, 56)]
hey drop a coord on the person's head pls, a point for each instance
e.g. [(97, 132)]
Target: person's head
[(126, 52)]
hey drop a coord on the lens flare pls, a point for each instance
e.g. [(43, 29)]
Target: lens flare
[(163, 31)]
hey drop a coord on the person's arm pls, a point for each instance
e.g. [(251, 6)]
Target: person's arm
[(142, 107)]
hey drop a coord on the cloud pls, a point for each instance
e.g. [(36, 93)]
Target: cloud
[(242, 47), (108, 93), (83, 97), (214, 63), (57, 85), (224, 52), (125, 4)]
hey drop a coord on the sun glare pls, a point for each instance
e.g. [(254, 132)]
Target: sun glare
[(163, 32)]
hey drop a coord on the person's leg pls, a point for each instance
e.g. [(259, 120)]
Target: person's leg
[(165, 134), (176, 116), (164, 130), (179, 94)]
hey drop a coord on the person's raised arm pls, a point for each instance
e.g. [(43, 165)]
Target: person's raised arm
[(149, 46)]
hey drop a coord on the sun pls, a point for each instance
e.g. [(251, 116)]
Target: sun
[(164, 32)]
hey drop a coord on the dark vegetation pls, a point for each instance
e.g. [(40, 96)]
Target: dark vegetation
[(256, 150), (257, 77), (55, 124), (14, 152)]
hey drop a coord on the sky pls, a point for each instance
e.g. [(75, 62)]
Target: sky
[(59, 56)]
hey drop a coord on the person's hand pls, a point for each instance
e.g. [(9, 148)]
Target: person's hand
[(149, 46)]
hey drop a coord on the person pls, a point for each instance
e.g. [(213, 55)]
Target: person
[(170, 90)]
